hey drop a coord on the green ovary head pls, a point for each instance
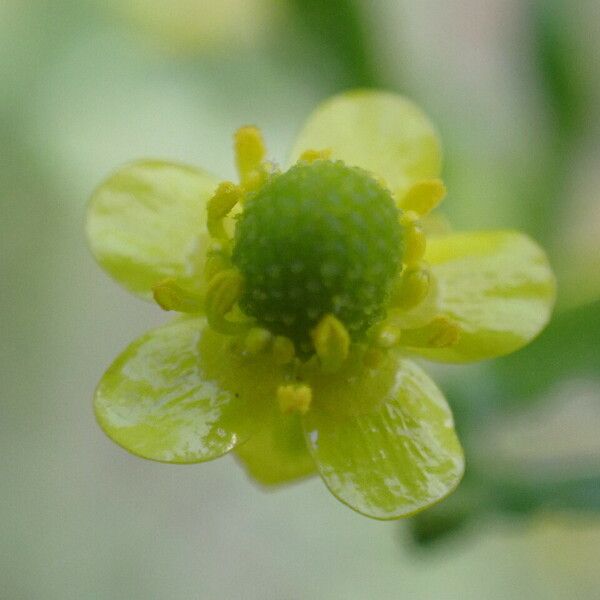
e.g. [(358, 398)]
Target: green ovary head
[(320, 238)]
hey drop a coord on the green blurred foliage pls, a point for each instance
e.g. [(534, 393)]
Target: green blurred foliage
[(338, 29), (555, 45), (567, 348)]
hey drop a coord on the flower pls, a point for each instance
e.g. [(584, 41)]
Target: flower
[(302, 293)]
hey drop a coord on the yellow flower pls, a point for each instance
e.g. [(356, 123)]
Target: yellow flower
[(304, 291)]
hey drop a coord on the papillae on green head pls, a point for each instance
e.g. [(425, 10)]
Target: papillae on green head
[(317, 258), (322, 238)]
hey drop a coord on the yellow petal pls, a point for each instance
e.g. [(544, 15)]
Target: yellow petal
[(276, 452), (379, 131), (159, 399), (497, 286), (394, 458), (147, 222)]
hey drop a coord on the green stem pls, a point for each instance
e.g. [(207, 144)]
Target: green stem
[(339, 26), (565, 103)]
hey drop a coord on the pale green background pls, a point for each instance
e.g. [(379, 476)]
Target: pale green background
[(83, 88)]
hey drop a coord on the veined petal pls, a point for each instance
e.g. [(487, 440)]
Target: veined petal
[(379, 131), (497, 286), (393, 460), (159, 400), (147, 222), (276, 452)]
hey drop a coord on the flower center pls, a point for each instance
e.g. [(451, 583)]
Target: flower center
[(321, 238)]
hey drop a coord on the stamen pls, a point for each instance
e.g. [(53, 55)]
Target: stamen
[(411, 287), (224, 290), (321, 237), (294, 398), (250, 152), (332, 342), (441, 332), (283, 350), (217, 260), (388, 335), (423, 196), (415, 242), (170, 295), (310, 156), (226, 196), (257, 340)]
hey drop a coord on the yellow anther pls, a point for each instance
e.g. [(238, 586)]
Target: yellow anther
[(441, 332), (294, 398), (412, 286), (170, 295), (424, 196), (387, 336), (226, 196), (254, 180), (332, 343), (217, 260), (310, 156), (250, 153), (283, 350), (414, 239), (223, 291), (257, 340)]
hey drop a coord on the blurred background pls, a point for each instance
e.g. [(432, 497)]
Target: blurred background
[(514, 87)]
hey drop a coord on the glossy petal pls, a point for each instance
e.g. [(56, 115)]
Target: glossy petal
[(159, 401), (147, 222), (276, 452), (496, 285), (381, 132), (393, 460)]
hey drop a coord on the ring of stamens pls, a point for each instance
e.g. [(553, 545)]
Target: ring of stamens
[(330, 337)]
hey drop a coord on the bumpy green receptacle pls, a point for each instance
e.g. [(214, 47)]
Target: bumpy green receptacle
[(320, 238)]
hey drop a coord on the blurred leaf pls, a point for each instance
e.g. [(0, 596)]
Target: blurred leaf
[(564, 493), (437, 524), (568, 347), (338, 26), (541, 458), (448, 518), (546, 455), (558, 63), (482, 497), (558, 60)]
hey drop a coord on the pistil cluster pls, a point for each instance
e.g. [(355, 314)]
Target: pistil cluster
[(311, 264)]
